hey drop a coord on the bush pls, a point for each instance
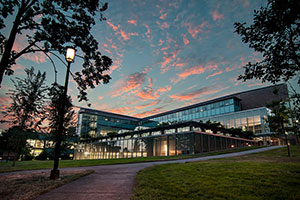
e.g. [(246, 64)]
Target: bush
[(45, 155)]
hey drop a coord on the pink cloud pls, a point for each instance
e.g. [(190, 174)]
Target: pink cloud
[(148, 31), (18, 69), (162, 90), (130, 84), (180, 65), (160, 42), (148, 113), (124, 35), (215, 74), (123, 110), (198, 69), (146, 94), (185, 40), (164, 25), (114, 46), (163, 16), (216, 15), (194, 30), (115, 28), (254, 84), (132, 22), (21, 43), (147, 105), (100, 97), (168, 58), (108, 51), (150, 82), (196, 93)]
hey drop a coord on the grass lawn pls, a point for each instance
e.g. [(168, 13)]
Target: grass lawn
[(266, 175), (31, 185), (47, 164)]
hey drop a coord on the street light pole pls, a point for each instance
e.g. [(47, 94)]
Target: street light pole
[(70, 56)]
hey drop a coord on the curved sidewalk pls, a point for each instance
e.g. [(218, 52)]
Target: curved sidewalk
[(110, 182)]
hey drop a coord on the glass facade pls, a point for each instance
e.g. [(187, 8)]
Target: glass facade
[(208, 110), (227, 112), (184, 143), (92, 125), (251, 120)]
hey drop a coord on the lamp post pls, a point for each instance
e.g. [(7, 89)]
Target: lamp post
[(70, 56)]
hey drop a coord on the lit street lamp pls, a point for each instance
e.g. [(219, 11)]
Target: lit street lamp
[(70, 57)]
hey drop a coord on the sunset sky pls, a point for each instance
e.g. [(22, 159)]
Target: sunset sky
[(166, 55)]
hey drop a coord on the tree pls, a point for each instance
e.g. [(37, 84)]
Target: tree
[(50, 26), (26, 111), (279, 119), (59, 104), (274, 33)]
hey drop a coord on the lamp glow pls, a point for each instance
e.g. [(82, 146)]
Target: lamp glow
[(70, 55)]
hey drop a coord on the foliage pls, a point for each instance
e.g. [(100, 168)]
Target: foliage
[(26, 110), (275, 33), (26, 155), (279, 118), (45, 155), (50, 26), (112, 134), (15, 141), (56, 94), (216, 127)]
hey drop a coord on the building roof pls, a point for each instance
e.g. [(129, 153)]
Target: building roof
[(257, 97), (108, 114), (249, 99)]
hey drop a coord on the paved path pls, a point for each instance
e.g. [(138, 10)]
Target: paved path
[(110, 182)]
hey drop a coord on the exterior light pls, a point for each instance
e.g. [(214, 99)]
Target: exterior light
[(70, 55)]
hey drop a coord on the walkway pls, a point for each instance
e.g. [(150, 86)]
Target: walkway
[(110, 182)]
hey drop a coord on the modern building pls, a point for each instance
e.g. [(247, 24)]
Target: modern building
[(177, 139), (246, 110)]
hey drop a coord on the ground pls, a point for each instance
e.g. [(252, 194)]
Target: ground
[(267, 175)]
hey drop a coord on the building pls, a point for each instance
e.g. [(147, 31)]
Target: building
[(172, 140), (246, 110)]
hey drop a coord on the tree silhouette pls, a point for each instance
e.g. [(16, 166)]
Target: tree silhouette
[(50, 26), (57, 97), (26, 112), (274, 33), (279, 119)]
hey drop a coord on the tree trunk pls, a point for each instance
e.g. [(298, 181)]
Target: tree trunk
[(5, 60), (286, 140)]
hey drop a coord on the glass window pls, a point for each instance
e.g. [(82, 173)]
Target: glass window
[(231, 108), (222, 110), (221, 103), (216, 105), (244, 121), (256, 118), (226, 109), (213, 112), (218, 111)]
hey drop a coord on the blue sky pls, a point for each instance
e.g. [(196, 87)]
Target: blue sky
[(166, 55)]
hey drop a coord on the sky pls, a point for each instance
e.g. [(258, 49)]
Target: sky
[(166, 55)]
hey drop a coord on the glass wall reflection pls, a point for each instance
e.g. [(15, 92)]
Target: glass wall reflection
[(185, 143)]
